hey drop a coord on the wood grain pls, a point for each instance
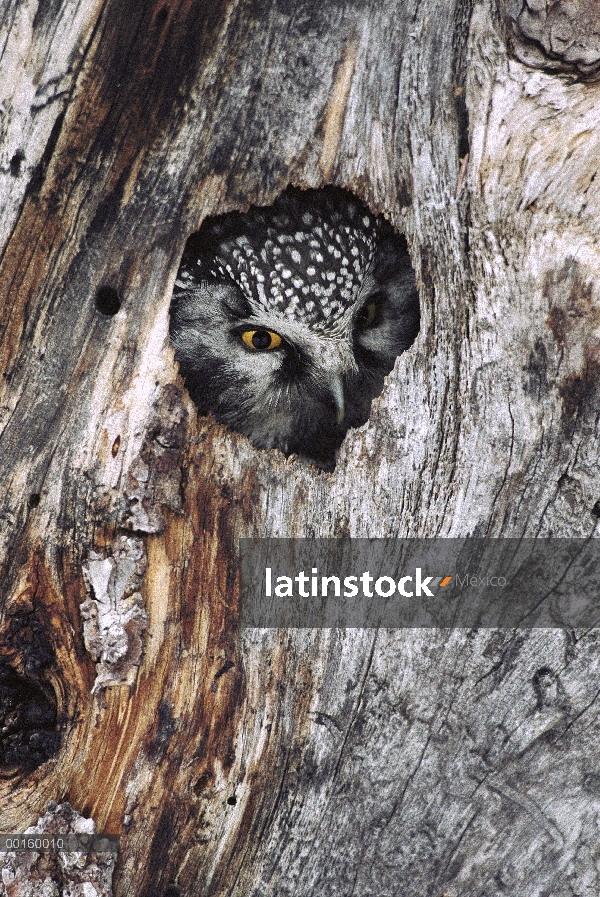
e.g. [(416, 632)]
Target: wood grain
[(417, 762)]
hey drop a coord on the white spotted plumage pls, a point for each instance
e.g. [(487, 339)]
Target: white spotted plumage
[(307, 270)]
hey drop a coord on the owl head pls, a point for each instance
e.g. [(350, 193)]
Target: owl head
[(285, 320)]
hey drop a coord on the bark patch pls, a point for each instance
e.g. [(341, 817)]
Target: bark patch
[(29, 873), (114, 617)]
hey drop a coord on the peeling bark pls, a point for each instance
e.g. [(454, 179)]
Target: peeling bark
[(43, 872), (114, 619)]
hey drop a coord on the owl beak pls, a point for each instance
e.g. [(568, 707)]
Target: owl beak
[(336, 386)]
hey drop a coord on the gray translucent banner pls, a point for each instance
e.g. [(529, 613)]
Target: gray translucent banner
[(50, 842), (394, 583)]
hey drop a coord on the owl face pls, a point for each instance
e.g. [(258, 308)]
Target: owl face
[(286, 320)]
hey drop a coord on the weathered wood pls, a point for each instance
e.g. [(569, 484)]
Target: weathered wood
[(325, 762)]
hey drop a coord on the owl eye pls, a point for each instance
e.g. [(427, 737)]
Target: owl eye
[(366, 316), (261, 340)]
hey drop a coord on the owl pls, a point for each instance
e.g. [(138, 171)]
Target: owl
[(286, 319)]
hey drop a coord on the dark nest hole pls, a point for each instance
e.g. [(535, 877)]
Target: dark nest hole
[(286, 319), (28, 724)]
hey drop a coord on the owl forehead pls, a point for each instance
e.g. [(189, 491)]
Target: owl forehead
[(305, 257)]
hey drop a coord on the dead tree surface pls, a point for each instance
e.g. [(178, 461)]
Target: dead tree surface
[(413, 762)]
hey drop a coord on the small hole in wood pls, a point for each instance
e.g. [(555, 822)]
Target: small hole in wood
[(15, 163), (232, 801), (34, 500), (286, 319), (108, 301)]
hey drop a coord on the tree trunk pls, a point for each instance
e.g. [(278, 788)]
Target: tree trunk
[(242, 762)]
